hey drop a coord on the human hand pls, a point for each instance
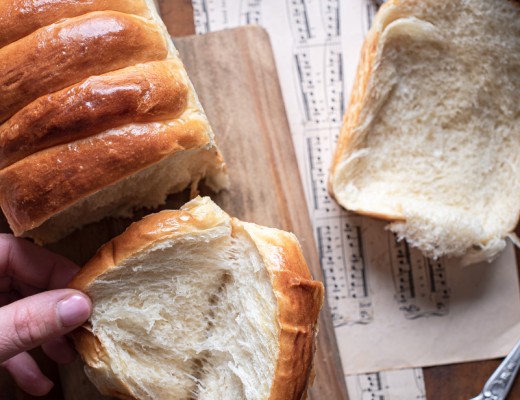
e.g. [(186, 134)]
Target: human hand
[(36, 311)]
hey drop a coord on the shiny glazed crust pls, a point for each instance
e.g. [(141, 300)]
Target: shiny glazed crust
[(143, 93), (60, 55), (299, 302), (299, 297), (86, 104), (19, 18), (51, 180)]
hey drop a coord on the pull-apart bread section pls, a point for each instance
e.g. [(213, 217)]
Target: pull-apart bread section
[(431, 138), (97, 116), (194, 304), (22, 17)]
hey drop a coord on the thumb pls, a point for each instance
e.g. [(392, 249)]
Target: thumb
[(30, 322)]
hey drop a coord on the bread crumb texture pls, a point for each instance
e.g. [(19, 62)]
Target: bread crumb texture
[(187, 305), (431, 138)]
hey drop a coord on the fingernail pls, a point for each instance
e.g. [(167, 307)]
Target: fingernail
[(73, 310)]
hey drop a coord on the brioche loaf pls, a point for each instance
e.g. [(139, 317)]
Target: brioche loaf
[(431, 138), (98, 116), (193, 304)]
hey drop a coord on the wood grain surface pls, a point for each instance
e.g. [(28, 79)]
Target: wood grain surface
[(240, 91)]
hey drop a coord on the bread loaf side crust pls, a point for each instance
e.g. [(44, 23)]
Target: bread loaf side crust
[(357, 97), (143, 93), (19, 18), (299, 303), (47, 182), (63, 54), (348, 135), (299, 297)]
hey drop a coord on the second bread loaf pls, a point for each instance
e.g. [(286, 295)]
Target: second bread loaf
[(99, 118)]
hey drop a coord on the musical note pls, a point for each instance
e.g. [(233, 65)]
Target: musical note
[(371, 386), (421, 287), (331, 18), (251, 12), (320, 86), (387, 385), (201, 17), (318, 152), (342, 258), (334, 84), (300, 18), (371, 8)]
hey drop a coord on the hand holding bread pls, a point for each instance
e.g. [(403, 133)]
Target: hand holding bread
[(113, 124), (194, 304), (36, 309)]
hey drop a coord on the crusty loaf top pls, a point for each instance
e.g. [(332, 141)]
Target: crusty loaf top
[(65, 53), (19, 18), (45, 183), (142, 93)]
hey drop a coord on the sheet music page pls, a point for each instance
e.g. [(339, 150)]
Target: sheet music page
[(390, 385), (392, 308)]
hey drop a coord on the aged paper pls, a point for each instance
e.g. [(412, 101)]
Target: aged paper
[(397, 309), (389, 385), (392, 308)]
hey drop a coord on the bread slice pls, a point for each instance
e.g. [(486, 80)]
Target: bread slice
[(194, 304), (431, 138), (100, 118)]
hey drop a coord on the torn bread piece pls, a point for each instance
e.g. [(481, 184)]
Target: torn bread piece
[(194, 304)]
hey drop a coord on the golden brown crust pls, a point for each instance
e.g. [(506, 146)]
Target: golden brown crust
[(19, 18), (94, 354), (140, 235), (142, 93), (60, 55), (47, 182), (299, 297), (299, 303)]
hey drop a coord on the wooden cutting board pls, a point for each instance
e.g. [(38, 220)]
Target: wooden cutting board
[(235, 76)]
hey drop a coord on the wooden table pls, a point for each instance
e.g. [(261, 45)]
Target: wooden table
[(459, 381)]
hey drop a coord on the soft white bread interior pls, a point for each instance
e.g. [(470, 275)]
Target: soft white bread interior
[(98, 116), (193, 304), (431, 137)]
